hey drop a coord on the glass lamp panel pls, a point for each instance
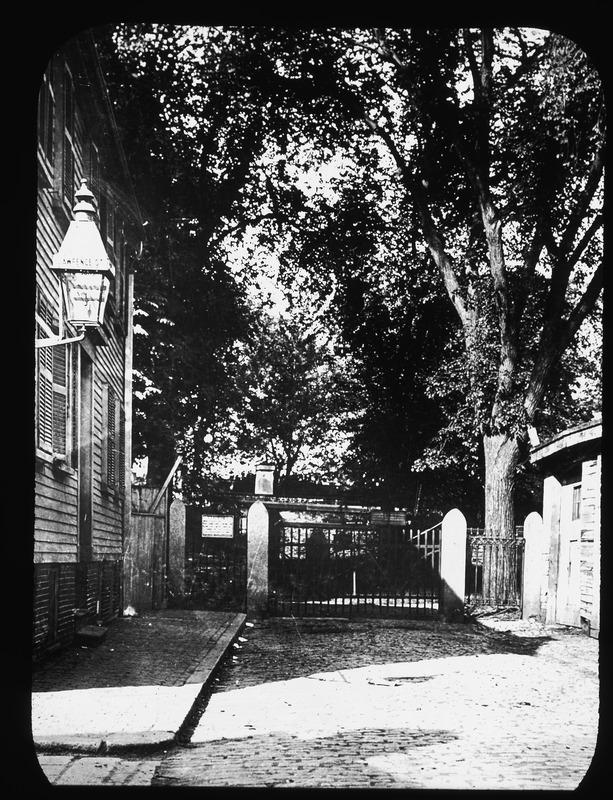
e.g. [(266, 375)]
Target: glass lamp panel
[(85, 296)]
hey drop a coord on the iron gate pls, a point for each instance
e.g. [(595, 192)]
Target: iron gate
[(332, 569), (494, 569), (216, 567)]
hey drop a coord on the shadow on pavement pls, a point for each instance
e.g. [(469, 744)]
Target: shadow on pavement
[(509, 642), (283, 648)]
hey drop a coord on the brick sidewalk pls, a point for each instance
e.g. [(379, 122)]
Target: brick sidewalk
[(135, 689), (161, 648)]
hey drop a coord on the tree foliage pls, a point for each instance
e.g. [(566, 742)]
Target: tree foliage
[(189, 314), (189, 309), (495, 140), (440, 189), (293, 400)]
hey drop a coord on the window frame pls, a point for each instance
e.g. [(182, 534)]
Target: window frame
[(57, 370), (575, 512), (94, 169), (46, 117), (69, 150), (112, 468)]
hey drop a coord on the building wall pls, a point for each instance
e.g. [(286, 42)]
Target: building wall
[(56, 494), (562, 533), (552, 498), (590, 544), (77, 140), (568, 606)]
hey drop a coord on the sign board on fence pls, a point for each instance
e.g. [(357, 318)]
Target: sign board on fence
[(217, 526)]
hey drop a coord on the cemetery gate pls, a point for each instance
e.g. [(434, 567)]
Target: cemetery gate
[(351, 569), (216, 560)]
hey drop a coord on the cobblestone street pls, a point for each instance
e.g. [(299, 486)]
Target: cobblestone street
[(397, 704)]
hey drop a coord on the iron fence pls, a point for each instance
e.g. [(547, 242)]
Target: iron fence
[(216, 576), (494, 568)]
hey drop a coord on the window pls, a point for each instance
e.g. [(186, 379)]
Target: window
[(68, 151), (94, 170), (113, 446), (56, 370), (112, 234), (107, 222), (110, 225), (576, 511), (120, 273), (46, 110), (102, 216)]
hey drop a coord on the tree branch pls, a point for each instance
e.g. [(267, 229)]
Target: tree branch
[(432, 235), (583, 200), (400, 161), (385, 51), (436, 245), (583, 306), (240, 226), (527, 60), (563, 263), (555, 340), (585, 240), (472, 61), (531, 254)]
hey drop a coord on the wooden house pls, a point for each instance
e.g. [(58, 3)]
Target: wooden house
[(570, 574), (82, 380)]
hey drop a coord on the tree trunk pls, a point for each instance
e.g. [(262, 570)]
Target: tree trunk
[(501, 458)]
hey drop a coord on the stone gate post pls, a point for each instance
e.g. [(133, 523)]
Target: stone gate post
[(534, 569), (453, 565), (257, 559), (176, 549)]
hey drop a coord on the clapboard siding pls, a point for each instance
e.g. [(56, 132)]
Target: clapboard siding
[(48, 495), (71, 571), (55, 517), (62, 554), (49, 238)]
